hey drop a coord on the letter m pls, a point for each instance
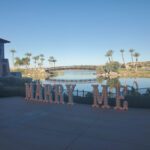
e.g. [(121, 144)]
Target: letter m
[(29, 91)]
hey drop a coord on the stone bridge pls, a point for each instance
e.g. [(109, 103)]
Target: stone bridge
[(70, 68)]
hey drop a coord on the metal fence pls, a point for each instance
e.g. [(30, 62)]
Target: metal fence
[(130, 91)]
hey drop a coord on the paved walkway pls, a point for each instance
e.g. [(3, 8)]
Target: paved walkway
[(60, 127)]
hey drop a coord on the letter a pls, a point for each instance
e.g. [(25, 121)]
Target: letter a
[(38, 94)]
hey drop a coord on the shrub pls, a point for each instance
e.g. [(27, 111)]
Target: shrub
[(112, 66), (12, 86)]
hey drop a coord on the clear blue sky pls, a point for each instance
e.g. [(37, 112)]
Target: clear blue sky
[(76, 31)]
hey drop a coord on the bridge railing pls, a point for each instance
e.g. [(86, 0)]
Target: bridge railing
[(71, 67), (61, 81), (140, 91)]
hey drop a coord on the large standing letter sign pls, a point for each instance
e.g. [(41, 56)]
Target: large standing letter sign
[(38, 93), (97, 99), (125, 103), (118, 98), (29, 91), (54, 94), (48, 93), (70, 89), (103, 99), (58, 93)]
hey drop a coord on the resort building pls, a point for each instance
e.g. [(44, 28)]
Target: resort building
[(4, 64)]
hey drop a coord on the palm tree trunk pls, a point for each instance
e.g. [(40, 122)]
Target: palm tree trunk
[(136, 64), (132, 59), (123, 60), (13, 60), (54, 64), (109, 59)]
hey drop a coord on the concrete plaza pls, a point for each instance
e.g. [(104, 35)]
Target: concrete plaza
[(79, 127)]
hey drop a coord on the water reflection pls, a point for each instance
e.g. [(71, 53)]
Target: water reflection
[(85, 78), (113, 82)]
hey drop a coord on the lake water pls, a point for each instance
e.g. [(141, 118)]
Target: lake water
[(85, 78)]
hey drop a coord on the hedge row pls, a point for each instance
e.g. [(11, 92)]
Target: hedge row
[(12, 86)]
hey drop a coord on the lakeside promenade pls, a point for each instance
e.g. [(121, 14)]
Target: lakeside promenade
[(28, 126)]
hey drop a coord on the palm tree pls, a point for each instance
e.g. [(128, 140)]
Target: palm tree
[(42, 60), (54, 61), (28, 55), (17, 62), (122, 51), (13, 51), (51, 59), (25, 62), (109, 54), (136, 55), (131, 50), (35, 58), (41, 57)]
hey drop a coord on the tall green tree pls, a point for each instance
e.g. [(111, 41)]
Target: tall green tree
[(13, 51), (41, 58), (42, 61), (25, 61), (109, 54), (112, 66), (136, 55), (17, 62), (36, 58), (51, 60), (28, 55), (122, 54), (131, 50), (38, 61), (54, 61), (41, 55)]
